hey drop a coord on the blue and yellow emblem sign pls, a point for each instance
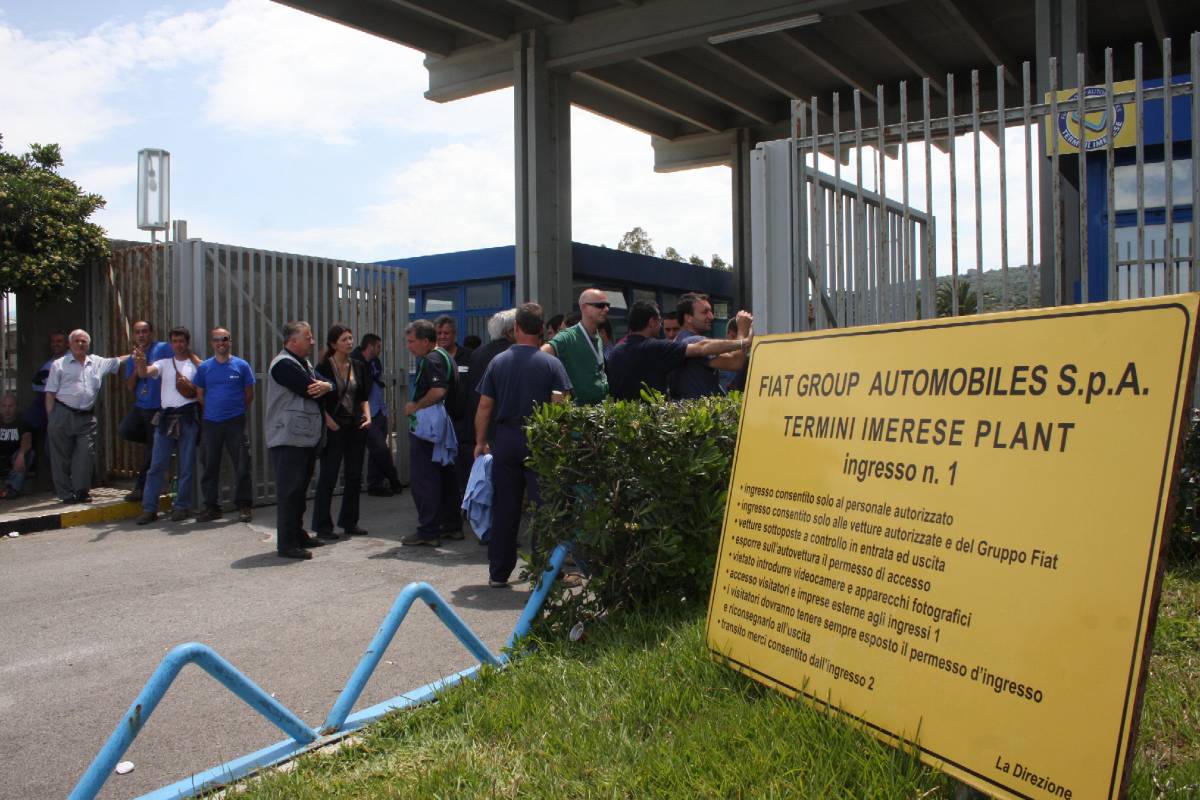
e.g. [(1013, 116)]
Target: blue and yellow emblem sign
[(1096, 128)]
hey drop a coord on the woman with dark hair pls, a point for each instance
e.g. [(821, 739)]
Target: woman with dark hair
[(347, 417)]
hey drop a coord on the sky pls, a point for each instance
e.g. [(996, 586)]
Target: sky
[(288, 132)]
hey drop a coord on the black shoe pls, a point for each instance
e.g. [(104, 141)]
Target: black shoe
[(312, 541), (380, 491), (146, 517), (246, 514), (180, 514), (83, 497), (133, 497), (328, 536), (355, 531), (453, 535), (483, 540), (397, 488), (415, 540), (295, 552), (208, 515)]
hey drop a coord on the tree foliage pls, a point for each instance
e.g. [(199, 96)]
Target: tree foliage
[(637, 241), (696, 260), (671, 254), (967, 300), (718, 262), (44, 233)]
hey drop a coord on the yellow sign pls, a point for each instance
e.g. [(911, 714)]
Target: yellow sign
[(949, 531), (1097, 129)]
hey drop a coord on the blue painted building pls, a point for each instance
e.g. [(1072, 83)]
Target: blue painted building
[(474, 284)]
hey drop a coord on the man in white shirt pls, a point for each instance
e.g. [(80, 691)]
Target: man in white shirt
[(72, 388), (178, 425)]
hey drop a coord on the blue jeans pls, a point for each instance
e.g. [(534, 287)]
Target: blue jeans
[(164, 446)]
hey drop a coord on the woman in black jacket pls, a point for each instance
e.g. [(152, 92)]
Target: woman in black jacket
[(347, 417)]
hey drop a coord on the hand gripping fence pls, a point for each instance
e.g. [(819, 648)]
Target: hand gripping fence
[(339, 722)]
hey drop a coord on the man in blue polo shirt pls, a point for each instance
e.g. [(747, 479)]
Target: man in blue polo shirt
[(698, 377), (643, 359), (515, 381), (138, 426), (225, 386)]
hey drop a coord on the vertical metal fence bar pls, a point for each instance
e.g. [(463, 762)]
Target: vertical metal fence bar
[(1030, 160), (1081, 97), (909, 293), (860, 224), (840, 281), (1110, 169), (929, 284), (954, 311), (978, 193), (1194, 251), (1168, 170), (819, 231), (1140, 156), (800, 211), (1055, 188), (881, 229), (1001, 136)]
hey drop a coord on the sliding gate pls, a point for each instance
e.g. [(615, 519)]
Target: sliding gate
[(252, 293)]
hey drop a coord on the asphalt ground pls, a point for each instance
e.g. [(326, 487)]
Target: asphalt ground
[(89, 612)]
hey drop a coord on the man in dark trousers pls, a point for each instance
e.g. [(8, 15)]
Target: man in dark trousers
[(146, 398), (433, 484), (518, 379), (225, 386), (294, 427), (382, 478), (457, 402), (643, 359)]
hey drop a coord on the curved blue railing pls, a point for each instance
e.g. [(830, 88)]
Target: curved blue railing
[(339, 722)]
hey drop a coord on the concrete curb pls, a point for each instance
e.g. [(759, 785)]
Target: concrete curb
[(58, 520)]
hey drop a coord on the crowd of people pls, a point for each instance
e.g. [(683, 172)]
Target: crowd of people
[(466, 401)]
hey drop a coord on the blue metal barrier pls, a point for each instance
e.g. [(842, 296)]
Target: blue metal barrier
[(303, 738)]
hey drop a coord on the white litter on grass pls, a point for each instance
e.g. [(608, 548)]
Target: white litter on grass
[(124, 768), (13, 534), (577, 632)]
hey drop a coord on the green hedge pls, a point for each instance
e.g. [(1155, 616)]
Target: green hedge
[(639, 488)]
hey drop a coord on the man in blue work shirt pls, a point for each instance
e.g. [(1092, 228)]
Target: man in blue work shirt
[(225, 387), (138, 425), (698, 377), (382, 478), (433, 484), (518, 379), (643, 359)]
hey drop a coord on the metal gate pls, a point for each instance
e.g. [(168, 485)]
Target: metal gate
[(844, 211), (252, 293)]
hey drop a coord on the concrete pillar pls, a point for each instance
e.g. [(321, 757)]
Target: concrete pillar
[(1061, 33), (740, 178), (542, 136)]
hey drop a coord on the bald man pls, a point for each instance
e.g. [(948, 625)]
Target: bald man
[(581, 350)]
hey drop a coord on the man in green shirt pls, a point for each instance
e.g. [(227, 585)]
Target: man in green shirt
[(581, 350)]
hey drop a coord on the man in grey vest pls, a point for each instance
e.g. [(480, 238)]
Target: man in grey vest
[(293, 431)]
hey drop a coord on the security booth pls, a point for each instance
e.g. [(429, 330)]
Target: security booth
[(472, 285)]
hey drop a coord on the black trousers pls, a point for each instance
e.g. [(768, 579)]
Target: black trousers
[(381, 467), (511, 479), (293, 471), (433, 490), (147, 414), (228, 435), (345, 445)]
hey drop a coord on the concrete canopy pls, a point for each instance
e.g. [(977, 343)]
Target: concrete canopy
[(692, 72)]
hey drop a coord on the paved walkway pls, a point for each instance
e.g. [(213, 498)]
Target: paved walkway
[(88, 613)]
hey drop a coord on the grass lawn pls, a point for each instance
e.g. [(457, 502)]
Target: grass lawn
[(640, 710)]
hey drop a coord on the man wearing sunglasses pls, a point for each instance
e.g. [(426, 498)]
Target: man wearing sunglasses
[(581, 350), (225, 385)]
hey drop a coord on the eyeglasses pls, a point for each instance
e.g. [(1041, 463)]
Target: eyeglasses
[(599, 305), (220, 338)]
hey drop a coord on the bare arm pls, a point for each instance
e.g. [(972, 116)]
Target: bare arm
[(366, 414), (482, 417), (249, 392), (549, 348), (729, 361), (713, 347), (49, 402)]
